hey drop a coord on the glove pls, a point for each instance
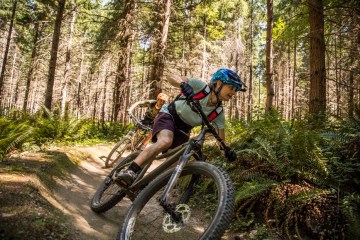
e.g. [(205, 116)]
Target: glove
[(230, 154), (187, 90), (147, 121)]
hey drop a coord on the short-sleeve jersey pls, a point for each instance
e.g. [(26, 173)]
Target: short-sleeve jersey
[(188, 115)]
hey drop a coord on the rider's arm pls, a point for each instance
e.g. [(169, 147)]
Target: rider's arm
[(221, 133), (175, 80)]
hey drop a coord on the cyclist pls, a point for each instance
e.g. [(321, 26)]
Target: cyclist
[(174, 122), (152, 111)]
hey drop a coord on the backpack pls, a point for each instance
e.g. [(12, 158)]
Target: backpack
[(202, 94)]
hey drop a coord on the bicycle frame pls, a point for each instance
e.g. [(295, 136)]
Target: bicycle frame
[(179, 155), (136, 138), (142, 180)]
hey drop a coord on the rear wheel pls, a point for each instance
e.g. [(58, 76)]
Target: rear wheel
[(118, 151), (109, 193), (204, 212)]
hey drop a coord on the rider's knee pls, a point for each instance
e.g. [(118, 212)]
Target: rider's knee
[(165, 142)]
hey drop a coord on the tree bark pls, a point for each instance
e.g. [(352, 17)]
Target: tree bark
[(289, 90), (317, 99), (159, 45), (3, 67), (79, 85), (203, 65), (269, 57), (12, 78), (355, 41), (103, 103), (31, 66), (293, 92), (122, 73), (249, 100), (53, 56), (66, 79)]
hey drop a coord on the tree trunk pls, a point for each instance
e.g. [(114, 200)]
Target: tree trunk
[(67, 69), (123, 68), (103, 104), (31, 66), (6, 52), (53, 56), (317, 99), (249, 100), (203, 65), (354, 39), (293, 94), (78, 98), (337, 91), (269, 57), (12, 78), (340, 75), (159, 45)]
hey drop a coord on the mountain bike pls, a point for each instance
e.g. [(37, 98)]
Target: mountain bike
[(193, 200), (132, 141)]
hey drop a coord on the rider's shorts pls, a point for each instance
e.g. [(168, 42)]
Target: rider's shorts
[(166, 121)]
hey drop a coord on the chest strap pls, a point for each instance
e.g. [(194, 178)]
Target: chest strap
[(200, 95)]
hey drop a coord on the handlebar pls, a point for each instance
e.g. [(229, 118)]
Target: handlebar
[(138, 123), (135, 119), (195, 105)]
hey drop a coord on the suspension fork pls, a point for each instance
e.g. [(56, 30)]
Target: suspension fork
[(174, 177)]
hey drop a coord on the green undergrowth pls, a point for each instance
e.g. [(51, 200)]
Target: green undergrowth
[(22, 131), (295, 180)]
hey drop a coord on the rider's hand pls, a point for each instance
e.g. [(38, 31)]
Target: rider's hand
[(230, 154), (187, 90), (147, 121)]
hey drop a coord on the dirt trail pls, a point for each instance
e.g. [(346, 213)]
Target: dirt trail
[(74, 195)]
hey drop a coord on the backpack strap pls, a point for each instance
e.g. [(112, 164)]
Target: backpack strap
[(206, 90), (199, 95), (216, 112)]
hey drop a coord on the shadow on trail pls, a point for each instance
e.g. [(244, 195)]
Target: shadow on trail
[(75, 192)]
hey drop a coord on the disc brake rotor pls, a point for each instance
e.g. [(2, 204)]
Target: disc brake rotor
[(170, 226)]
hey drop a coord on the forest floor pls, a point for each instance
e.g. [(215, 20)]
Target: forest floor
[(46, 195)]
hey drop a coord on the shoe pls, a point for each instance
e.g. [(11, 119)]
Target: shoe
[(126, 178)]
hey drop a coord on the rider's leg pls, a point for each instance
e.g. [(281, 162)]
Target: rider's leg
[(164, 141)]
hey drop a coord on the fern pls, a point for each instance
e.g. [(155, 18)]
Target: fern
[(351, 208), (51, 126), (252, 189), (291, 169), (13, 134)]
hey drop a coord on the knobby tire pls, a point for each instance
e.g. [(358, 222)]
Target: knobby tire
[(207, 212), (116, 153), (109, 193)]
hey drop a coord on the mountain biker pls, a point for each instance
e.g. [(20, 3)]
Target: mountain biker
[(154, 107), (175, 120), (152, 111)]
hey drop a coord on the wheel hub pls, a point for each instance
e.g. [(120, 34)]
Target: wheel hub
[(170, 225)]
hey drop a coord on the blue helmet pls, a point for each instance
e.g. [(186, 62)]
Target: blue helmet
[(227, 76)]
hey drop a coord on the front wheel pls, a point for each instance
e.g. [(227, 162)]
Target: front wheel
[(205, 213), (109, 193), (118, 151)]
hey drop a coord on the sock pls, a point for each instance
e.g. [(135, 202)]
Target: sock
[(134, 167)]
